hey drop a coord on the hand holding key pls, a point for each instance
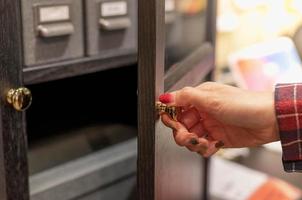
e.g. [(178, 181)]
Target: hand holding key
[(214, 115)]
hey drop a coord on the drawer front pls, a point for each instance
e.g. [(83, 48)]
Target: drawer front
[(111, 27), (52, 30)]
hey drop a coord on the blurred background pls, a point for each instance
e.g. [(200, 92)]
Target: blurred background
[(259, 44), (246, 27)]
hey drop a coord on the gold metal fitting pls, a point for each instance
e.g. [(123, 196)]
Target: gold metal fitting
[(170, 110), (20, 98)]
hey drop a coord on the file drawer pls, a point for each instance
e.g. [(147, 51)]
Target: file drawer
[(52, 30)]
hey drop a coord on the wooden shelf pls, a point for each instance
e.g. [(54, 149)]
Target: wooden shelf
[(89, 174), (65, 69)]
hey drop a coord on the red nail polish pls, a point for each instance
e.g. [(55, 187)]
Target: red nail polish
[(165, 98)]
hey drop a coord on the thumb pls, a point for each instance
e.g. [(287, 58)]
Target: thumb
[(186, 97)]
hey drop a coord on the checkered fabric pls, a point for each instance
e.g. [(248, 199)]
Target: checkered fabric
[(288, 105)]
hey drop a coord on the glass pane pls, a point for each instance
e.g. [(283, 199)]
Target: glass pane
[(185, 28)]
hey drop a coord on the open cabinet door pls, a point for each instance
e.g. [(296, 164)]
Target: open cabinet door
[(169, 58)]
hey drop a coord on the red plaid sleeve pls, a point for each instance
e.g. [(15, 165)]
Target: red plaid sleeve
[(288, 105)]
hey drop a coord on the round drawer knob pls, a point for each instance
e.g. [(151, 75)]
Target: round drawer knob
[(20, 98)]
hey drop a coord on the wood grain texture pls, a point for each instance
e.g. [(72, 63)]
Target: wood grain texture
[(55, 71), (13, 142), (150, 84)]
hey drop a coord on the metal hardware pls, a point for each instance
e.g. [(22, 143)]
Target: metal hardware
[(115, 24), (20, 98), (54, 30), (170, 110)]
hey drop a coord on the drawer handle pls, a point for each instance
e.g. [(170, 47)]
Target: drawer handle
[(115, 24), (20, 98), (55, 30)]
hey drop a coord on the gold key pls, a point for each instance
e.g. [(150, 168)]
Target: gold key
[(170, 110)]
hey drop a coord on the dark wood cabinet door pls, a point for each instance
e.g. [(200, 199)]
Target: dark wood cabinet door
[(166, 171), (13, 160)]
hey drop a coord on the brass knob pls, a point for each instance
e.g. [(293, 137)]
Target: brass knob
[(170, 110), (19, 98)]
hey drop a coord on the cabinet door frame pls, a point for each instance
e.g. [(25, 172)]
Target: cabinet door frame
[(151, 53), (13, 140), (151, 49)]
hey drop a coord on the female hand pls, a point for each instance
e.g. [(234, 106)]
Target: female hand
[(215, 115)]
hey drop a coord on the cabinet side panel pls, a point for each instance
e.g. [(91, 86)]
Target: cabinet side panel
[(13, 161)]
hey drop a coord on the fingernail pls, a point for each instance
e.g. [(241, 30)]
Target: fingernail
[(193, 141), (166, 98), (219, 144)]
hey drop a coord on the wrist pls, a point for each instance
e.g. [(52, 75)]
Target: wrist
[(271, 117)]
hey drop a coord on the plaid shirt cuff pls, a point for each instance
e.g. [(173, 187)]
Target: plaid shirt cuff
[(288, 105), (292, 166)]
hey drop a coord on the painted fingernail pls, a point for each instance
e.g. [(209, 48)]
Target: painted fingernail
[(219, 144), (166, 98), (193, 141)]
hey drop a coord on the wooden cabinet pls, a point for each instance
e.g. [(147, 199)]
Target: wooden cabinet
[(64, 92), (75, 94)]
